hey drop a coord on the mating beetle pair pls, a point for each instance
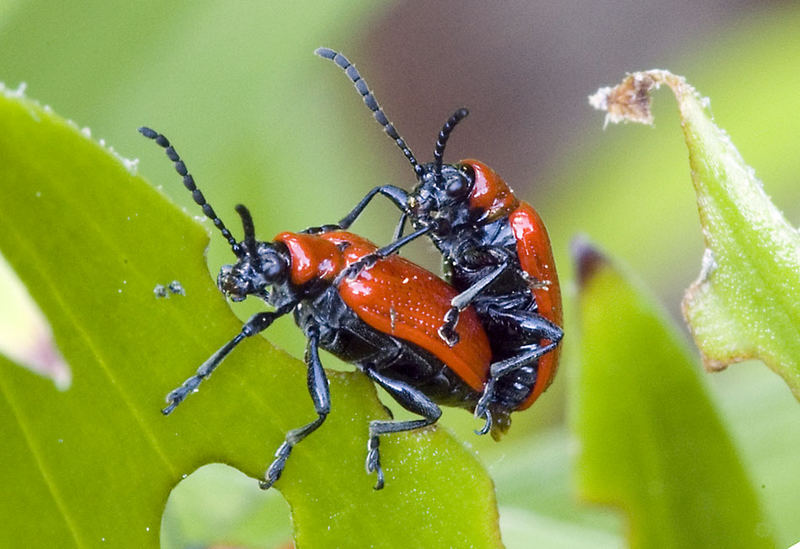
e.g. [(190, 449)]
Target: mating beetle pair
[(496, 253), (488, 343)]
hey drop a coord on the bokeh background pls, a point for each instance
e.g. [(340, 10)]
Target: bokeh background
[(260, 120)]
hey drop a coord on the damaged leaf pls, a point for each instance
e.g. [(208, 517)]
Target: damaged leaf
[(93, 465), (746, 301)]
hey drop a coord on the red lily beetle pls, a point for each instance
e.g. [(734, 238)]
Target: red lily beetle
[(369, 307), (496, 253)]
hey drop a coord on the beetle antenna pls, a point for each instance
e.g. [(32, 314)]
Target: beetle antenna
[(249, 229), (444, 135), (188, 182), (370, 101)]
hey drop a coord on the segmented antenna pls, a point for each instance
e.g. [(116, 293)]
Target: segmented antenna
[(444, 135), (370, 101), (188, 182), (249, 229)]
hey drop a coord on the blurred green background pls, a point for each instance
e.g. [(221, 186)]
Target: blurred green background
[(260, 120)]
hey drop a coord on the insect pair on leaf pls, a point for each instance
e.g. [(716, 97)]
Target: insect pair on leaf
[(487, 340)]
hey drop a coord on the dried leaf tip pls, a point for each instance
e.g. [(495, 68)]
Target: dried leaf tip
[(629, 101)]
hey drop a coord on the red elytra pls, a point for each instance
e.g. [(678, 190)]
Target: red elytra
[(394, 296), (492, 195), (536, 259)]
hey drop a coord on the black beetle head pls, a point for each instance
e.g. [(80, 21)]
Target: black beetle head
[(440, 200), (260, 264), (251, 274)]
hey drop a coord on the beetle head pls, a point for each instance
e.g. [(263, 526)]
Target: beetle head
[(441, 197), (259, 265)]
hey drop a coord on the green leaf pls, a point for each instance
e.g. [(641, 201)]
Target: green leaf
[(746, 301), (96, 462), (652, 442)]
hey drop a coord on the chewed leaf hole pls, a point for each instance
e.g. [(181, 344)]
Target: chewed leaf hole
[(219, 505), (25, 334)]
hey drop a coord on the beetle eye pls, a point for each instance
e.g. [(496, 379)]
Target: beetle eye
[(456, 188), (273, 266), (273, 270), (468, 172)]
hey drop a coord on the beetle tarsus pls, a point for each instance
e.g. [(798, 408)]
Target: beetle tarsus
[(482, 408), (487, 415), (447, 331), (374, 461), (276, 467), (168, 410)]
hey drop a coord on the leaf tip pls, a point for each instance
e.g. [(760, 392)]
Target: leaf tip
[(627, 101), (586, 257), (630, 100)]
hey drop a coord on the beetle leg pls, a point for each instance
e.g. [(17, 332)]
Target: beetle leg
[(531, 322), (447, 331), (410, 398), (401, 225), (321, 229), (320, 396), (398, 197), (257, 323), (539, 328), (502, 368), (368, 260), (531, 353), (482, 408)]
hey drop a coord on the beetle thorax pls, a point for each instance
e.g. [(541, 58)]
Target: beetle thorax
[(490, 197)]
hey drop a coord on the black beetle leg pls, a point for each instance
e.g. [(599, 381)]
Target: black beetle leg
[(410, 398), (482, 407), (398, 196), (320, 396), (502, 368), (257, 323), (539, 328), (401, 225), (530, 322), (529, 354), (368, 260), (447, 331)]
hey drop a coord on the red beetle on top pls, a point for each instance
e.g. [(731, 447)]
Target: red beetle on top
[(363, 304), (496, 253)]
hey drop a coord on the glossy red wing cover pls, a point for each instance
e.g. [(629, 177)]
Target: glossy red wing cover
[(399, 298), (536, 259)]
